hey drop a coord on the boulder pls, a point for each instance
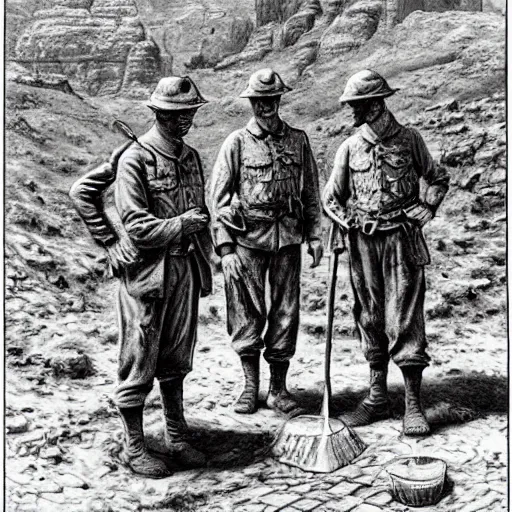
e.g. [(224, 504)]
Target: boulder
[(351, 29)]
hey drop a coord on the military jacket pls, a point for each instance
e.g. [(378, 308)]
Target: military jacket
[(272, 179), (379, 175), (153, 187)]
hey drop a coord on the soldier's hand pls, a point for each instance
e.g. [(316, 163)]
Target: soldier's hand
[(121, 254), (194, 221), (419, 214), (116, 154), (316, 250), (232, 266)]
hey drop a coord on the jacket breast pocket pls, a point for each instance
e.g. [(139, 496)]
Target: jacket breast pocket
[(360, 162), (258, 167), (397, 163), (288, 167)]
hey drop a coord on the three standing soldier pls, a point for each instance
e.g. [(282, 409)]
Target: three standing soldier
[(265, 203), (163, 262), (373, 195)]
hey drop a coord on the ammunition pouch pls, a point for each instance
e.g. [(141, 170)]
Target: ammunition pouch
[(417, 250)]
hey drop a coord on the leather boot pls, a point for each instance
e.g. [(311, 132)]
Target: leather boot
[(375, 406), (135, 454), (415, 423), (175, 430), (247, 402), (278, 396)]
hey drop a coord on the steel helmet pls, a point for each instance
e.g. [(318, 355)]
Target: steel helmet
[(364, 85), (176, 93), (265, 82)]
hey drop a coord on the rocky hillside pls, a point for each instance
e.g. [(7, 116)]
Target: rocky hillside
[(453, 93), (106, 47)]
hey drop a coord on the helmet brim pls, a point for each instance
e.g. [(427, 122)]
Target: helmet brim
[(170, 106), (251, 93), (346, 99)]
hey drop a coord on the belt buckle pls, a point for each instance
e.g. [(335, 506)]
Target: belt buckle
[(370, 226)]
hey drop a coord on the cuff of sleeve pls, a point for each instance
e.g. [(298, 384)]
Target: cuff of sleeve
[(222, 237)]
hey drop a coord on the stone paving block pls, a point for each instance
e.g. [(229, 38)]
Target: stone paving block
[(251, 507), (345, 504), (367, 508), (366, 492), (380, 499), (500, 488), (344, 488), (350, 471), (305, 505), (484, 503), (319, 495), (54, 498), (301, 489), (253, 494), (365, 479), (280, 500)]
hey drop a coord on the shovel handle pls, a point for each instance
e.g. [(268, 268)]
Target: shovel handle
[(333, 262)]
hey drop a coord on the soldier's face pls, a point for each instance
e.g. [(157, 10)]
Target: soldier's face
[(176, 122), (365, 111), (360, 110), (266, 108)]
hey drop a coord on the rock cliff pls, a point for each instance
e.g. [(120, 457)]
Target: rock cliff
[(96, 44), (111, 46)]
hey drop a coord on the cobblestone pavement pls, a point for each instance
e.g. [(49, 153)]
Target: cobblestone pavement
[(63, 442)]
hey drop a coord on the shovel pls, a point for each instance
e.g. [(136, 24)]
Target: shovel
[(318, 443)]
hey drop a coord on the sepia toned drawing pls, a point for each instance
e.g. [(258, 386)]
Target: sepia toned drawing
[(193, 187)]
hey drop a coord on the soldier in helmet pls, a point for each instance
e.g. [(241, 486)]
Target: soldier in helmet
[(265, 204), (163, 263), (373, 196)]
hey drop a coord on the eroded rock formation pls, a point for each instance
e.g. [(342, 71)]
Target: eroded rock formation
[(194, 33), (352, 28), (96, 44), (397, 10)]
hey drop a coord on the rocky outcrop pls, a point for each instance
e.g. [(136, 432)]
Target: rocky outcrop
[(142, 66), (300, 23), (94, 44), (279, 11), (229, 37), (397, 10), (263, 40), (351, 29), (195, 34)]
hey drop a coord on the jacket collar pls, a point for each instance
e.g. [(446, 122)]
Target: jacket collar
[(175, 149), (255, 129), (392, 127)]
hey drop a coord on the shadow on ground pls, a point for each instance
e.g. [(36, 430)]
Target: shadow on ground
[(451, 400), (224, 448)]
